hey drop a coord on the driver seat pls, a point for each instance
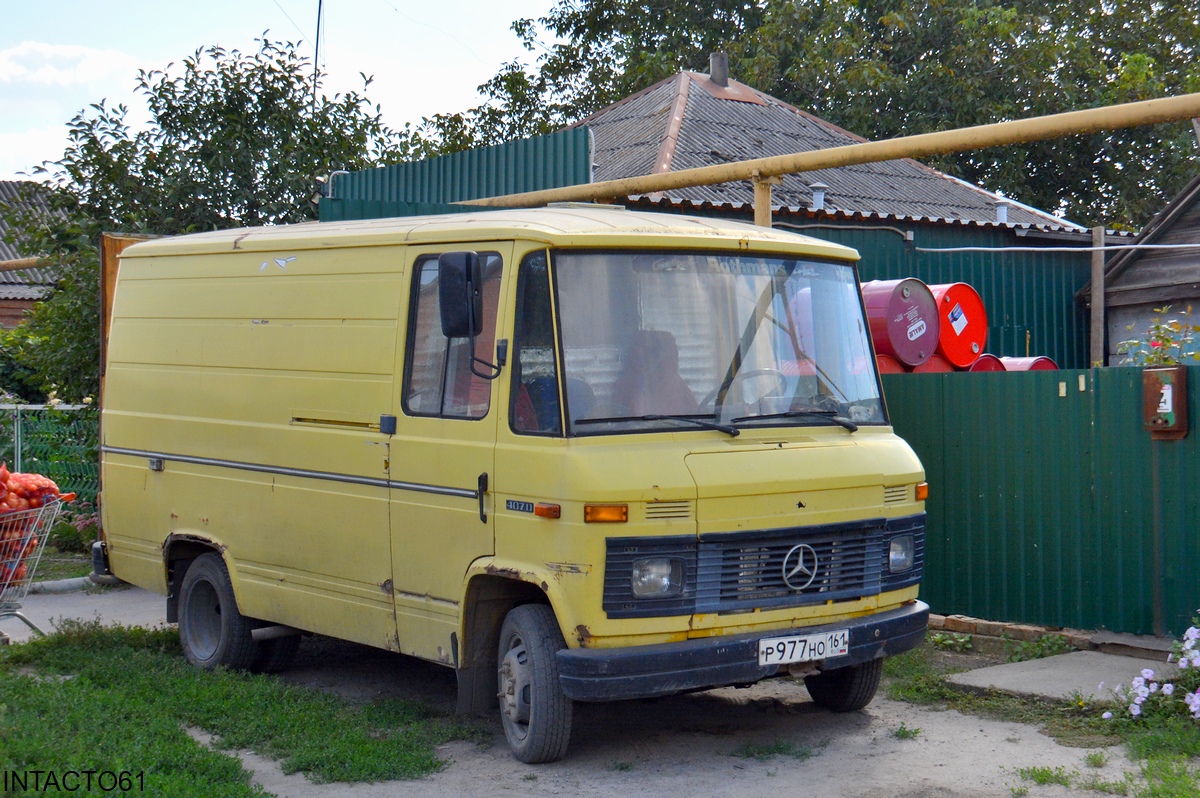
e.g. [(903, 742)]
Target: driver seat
[(651, 383)]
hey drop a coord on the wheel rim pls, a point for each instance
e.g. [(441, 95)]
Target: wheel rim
[(515, 687), (203, 620)]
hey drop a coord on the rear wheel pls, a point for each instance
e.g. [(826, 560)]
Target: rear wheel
[(211, 630), (845, 689), (535, 713)]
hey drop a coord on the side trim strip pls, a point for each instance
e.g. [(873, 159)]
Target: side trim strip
[(296, 472)]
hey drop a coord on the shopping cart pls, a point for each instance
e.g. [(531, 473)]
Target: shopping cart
[(23, 535)]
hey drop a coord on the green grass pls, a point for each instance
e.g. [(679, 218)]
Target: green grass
[(905, 733), (61, 565), (90, 697), (765, 751), (1044, 775), (1044, 646)]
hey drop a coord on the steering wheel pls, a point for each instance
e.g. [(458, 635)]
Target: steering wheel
[(781, 385)]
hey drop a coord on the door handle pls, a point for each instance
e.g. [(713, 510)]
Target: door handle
[(482, 489)]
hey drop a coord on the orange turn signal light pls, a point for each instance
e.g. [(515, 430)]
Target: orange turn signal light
[(605, 513), (544, 510), (922, 491)]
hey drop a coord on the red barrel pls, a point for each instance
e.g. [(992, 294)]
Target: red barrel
[(988, 363), (934, 365), (963, 323), (904, 319), (889, 365), (1039, 363)]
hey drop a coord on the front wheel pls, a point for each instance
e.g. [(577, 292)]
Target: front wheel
[(535, 713), (845, 689), (211, 630)]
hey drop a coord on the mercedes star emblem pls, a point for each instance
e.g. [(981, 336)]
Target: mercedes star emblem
[(800, 567)]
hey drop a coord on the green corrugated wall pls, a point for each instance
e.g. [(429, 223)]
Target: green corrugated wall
[(1043, 498), (558, 159)]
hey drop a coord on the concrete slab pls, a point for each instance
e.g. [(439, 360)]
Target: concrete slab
[(126, 605), (1089, 674)]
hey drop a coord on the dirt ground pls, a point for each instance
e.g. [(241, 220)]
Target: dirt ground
[(688, 745)]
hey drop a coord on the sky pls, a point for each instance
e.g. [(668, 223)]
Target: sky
[(57, 57)]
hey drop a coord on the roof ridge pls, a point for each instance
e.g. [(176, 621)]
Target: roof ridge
[(666, 148)]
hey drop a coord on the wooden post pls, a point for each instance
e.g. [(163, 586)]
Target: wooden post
[(1099, 353)]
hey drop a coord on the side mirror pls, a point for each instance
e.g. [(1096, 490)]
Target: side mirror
[(460, 294)]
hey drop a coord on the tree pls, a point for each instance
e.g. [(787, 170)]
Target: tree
[(234, 139), (886, 68)]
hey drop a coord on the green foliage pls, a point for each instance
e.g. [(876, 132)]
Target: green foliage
[(131, 696), (1165, 343), (1096, 759), (1045, 775), (19, 384), (234, 139), (950, 641), (78, 525), (1044, 646), (905, 733)]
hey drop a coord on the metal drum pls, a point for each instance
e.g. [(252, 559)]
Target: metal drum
[(903, 318), (963, 332)]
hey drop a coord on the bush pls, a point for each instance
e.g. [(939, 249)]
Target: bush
[(76, 530)]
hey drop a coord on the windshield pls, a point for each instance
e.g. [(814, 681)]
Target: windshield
[(661, 340)]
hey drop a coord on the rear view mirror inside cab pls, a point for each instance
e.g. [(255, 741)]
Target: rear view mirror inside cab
[(460, 294)]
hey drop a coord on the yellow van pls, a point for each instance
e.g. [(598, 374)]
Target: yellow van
[(576, 453)]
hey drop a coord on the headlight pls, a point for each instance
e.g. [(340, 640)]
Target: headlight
[(657, 577), (901, 553)]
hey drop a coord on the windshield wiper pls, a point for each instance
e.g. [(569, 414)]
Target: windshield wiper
[(827, 414), (699, 422)]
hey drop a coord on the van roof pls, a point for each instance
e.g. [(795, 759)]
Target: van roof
[(571, 224)]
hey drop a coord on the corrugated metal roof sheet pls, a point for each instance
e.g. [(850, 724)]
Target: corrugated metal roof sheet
[(23, 193), (715, 130)]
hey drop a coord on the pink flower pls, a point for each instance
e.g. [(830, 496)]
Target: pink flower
[(1156, 343)]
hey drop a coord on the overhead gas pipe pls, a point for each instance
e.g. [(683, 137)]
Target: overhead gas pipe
[(764, 171)]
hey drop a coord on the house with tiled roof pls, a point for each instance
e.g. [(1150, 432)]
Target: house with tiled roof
[(24, 280), (692, 120)]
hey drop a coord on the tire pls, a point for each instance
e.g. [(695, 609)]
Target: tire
[(275, 656), (845, 689), (535, 713), (211, 630)]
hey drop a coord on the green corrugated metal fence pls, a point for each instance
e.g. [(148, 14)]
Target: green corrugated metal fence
[(1050, 504), (558, 159)]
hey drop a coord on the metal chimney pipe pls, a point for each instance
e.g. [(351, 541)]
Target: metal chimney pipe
[(818, 199), (1002, 211), (718, 68)]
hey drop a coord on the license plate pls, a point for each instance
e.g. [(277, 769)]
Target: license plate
[(803, 648)]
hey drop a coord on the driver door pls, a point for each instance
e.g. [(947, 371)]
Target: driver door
[(442, 457)]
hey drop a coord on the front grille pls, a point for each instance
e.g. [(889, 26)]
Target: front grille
[(747, 571), (741, 571), (897, 494)]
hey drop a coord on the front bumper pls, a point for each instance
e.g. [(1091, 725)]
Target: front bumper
[(590, 674)]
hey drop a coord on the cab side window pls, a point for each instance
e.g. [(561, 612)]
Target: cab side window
[(438, 377)]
